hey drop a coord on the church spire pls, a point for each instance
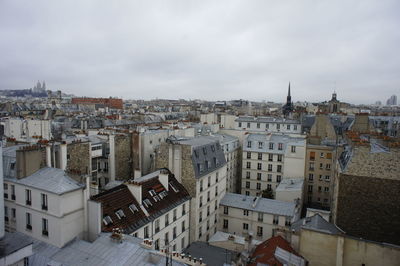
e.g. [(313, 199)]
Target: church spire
[(289, 90)]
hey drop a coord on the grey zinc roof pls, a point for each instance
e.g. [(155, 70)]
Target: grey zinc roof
[(53, 180), (103, 251), (211, 255), (316, 222), (261, 204)]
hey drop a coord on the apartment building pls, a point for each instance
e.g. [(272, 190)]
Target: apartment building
[(153, 207), (199, 164), (319, 175), (268, 158), (260, 217), (268, 124), (27, 129)]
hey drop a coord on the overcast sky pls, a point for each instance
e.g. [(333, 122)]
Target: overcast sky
[(214, 50)]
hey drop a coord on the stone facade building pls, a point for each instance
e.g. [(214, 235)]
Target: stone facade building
[(267, 159), (199, 164)]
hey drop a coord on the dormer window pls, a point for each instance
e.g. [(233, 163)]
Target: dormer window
[(133, 208), (196, 154), (204, 150), (120, 214), (107, 220), (152, 193), (163, 194), (213, 148), (156, 198), (147, 203)]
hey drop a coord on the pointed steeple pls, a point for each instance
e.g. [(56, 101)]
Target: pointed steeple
[(289, 90)]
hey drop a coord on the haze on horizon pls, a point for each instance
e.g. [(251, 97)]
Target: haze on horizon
[(212, 50)]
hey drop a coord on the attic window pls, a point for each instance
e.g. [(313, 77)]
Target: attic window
[(204, 150), (200, 167), (163, 194), (173, 187), (120, 214), (213, 148), (196, 154), (217, 146), (133, 208), (156, 198), (12, 166), (107, 220), (147, 203), (152, 193)]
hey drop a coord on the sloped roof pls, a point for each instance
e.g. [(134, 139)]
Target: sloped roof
[(316, 222)]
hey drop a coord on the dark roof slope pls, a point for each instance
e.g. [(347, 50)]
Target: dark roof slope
[(317, 223)]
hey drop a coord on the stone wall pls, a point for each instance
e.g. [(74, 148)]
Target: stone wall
[(123, 157), (78, 158), (369, 207)]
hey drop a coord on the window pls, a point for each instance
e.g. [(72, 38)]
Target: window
[(259, 231), (321, 155), (28, 221), (183, 209), (216, 177), (133, 208), (311, 168), (174, 215), (266, 126), (6, 213), (271, 146), (201, 201), (245, 212), (28, 196), (12, 192), (288, 221), (279, 158), (201, 185), (276, 219), (209, 181), (328, 166), (270, 157), (312, 155), (294, 127), (269, 177), (45, 227), (320, 177), (319, 188), (248, 175), (240, 124), (166, 219), (329, 155), (216, 205), (310, 177), (208, 210), (216, 190), (225, 224), (248, 125), (226, 209), (280, 146), (258, 176), (183, 226), (13, 213), (120, 214), (269, 167), (326, 189), (166, 238), (248, 165), (200, 231), (279, 168), (258, 186), (258, 125), (278, 126), (249, 144), (248, 155), (157, 244), (278, 178), (260, 217), (157, 226), (260, 145), (146, 232), (259, 156), (321, 166), (327, 178), (204, 150), (310, 188), (44, 201), (269, 187), (258, 166), (247, 184), (247, 193), (245, 226), (147, 203), (5, 186), (293, 149), (183, 243), (174, 232), (107, 220)]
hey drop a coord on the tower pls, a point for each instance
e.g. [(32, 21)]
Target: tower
[(287, 109)]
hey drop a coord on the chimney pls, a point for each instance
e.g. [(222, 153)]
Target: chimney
[(137, 173), (136, 189), (164, 179)]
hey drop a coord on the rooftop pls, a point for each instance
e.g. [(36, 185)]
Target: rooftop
[(317, 223), (291, 184), (49, 179), (211, 255), (259, 204)]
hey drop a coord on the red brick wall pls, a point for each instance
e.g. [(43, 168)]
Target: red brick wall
[(110, 102)]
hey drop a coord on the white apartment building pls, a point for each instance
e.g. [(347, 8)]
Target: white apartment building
[(47, 205), (154, 207), (199, 164), (260, 217), (268, 158), (268, 124)]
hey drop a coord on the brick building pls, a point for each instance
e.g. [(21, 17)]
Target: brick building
[(109, 102)]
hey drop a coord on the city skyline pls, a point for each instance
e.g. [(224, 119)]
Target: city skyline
[(213, 51)]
